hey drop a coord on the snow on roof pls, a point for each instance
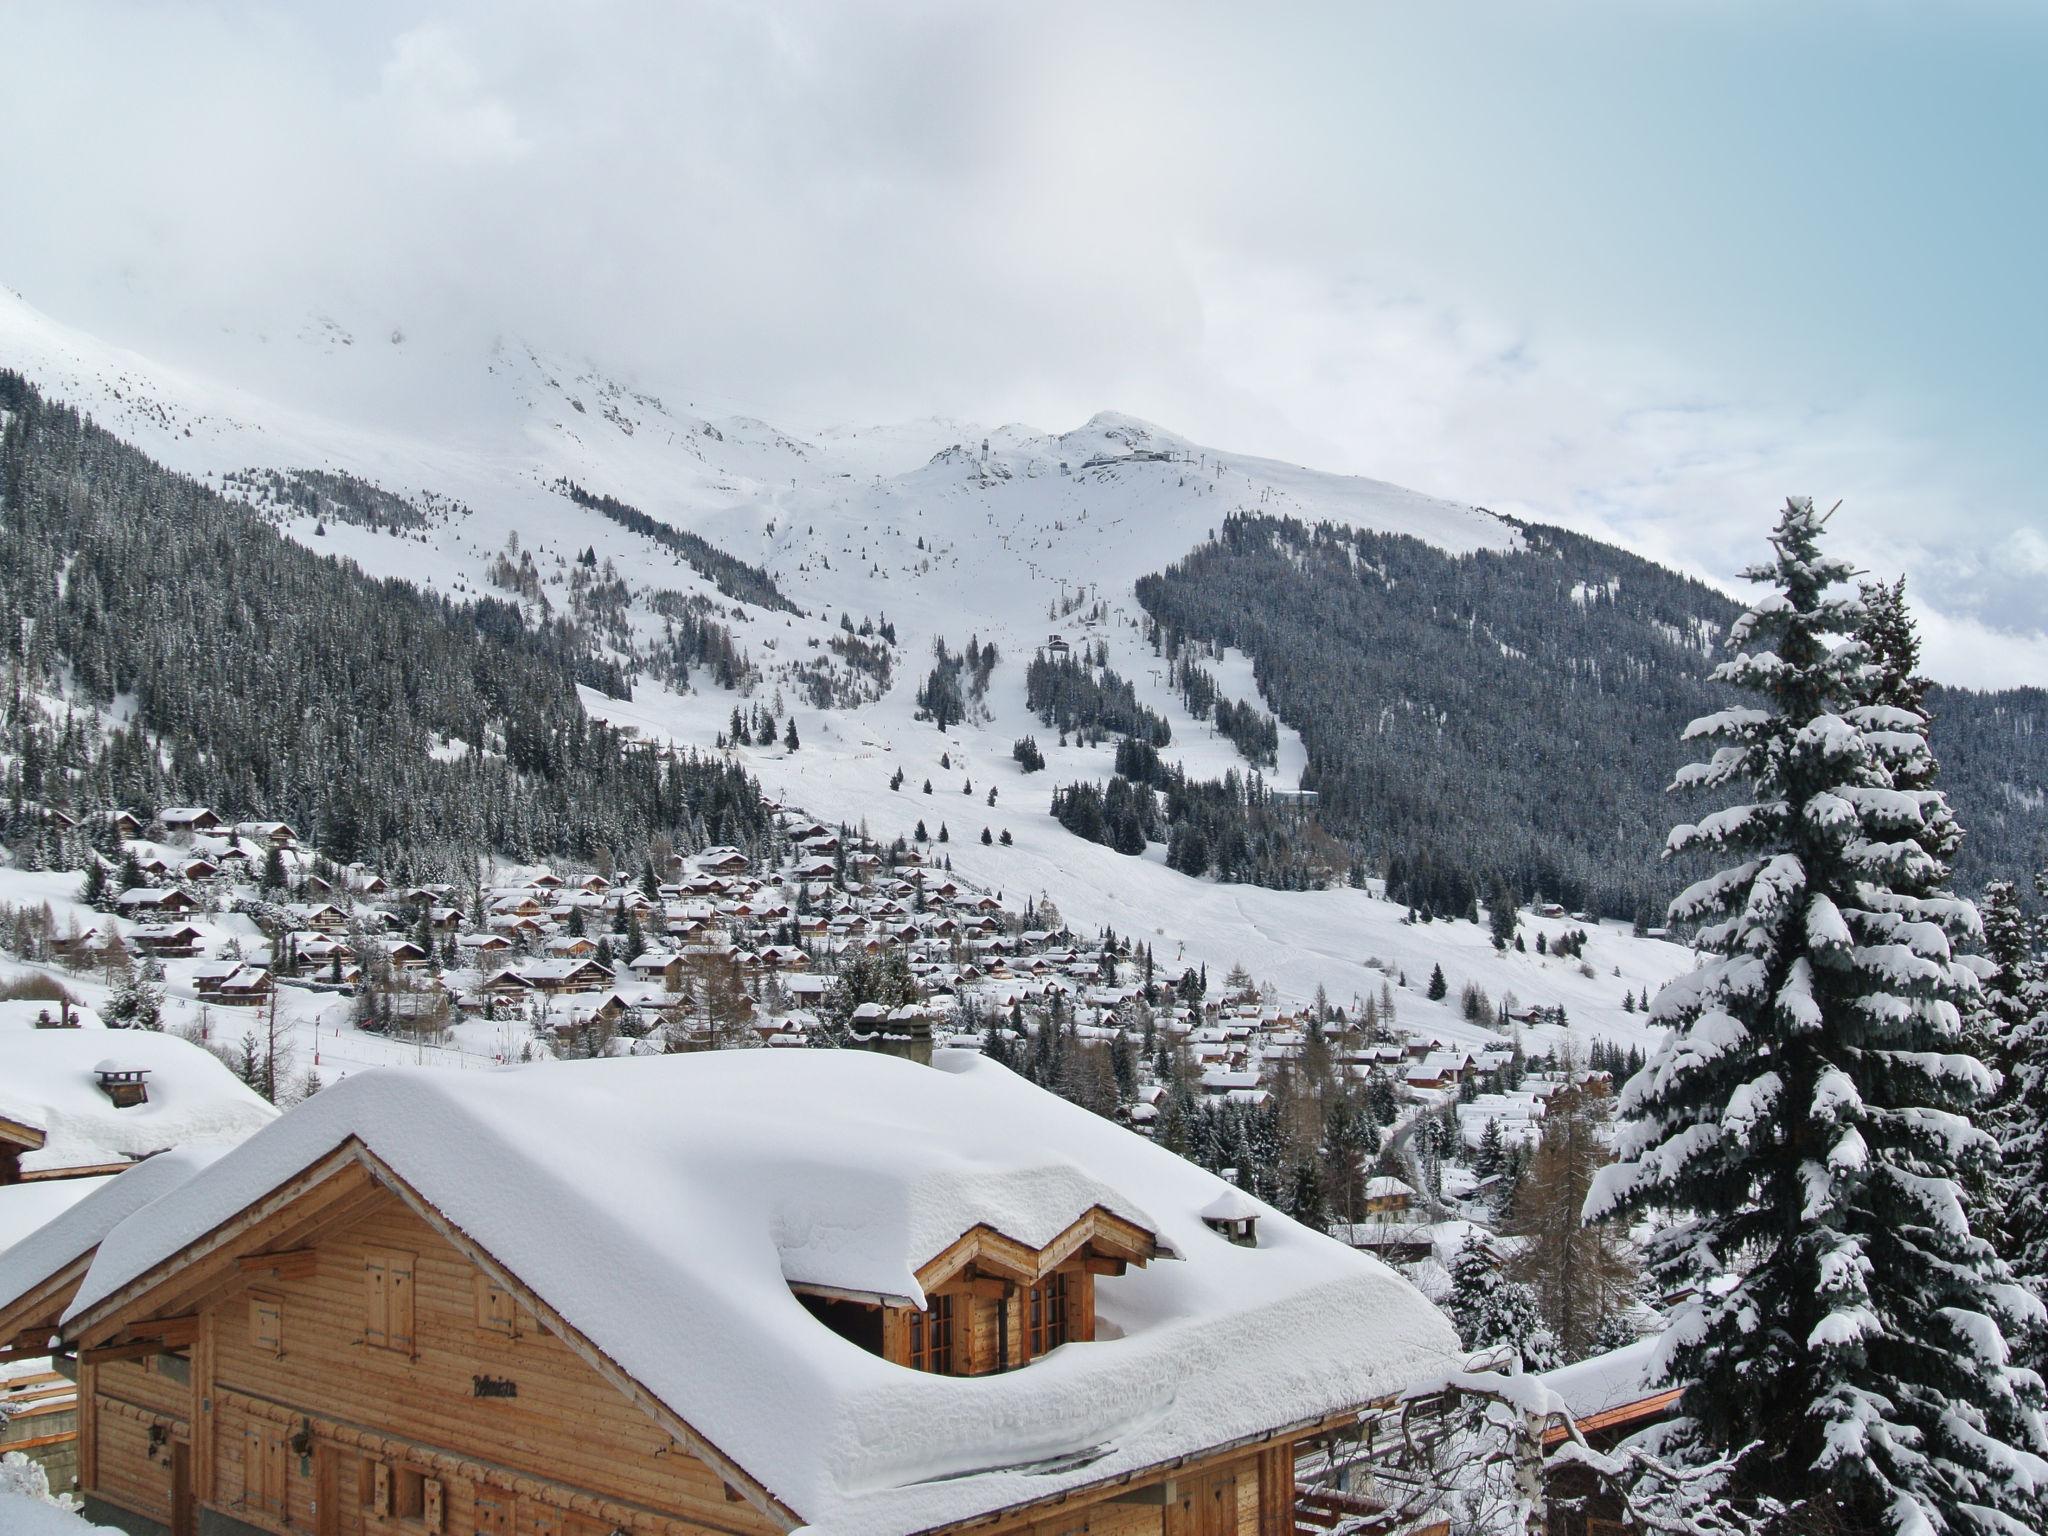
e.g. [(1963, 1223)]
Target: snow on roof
[(94, 1208), (26, 1014), (48, 1081), (1621, 1376), (754, 1169), (26, 1207)]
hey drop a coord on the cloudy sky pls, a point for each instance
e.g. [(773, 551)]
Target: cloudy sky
[(1639, 268)]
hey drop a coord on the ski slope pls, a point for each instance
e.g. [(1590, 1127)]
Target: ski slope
[(951, 531)]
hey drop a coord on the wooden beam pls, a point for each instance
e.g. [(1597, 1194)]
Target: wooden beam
[(41, 1307), (840, 1293), (107, 1354), (291, 1264), (164, 1332)]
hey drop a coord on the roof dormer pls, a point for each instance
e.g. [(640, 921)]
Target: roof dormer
[(991, 1303)]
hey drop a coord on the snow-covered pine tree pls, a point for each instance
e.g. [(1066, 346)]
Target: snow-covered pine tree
[(1488, 1309), (1997, 1027), (1805, 1128), (2016, 1005)]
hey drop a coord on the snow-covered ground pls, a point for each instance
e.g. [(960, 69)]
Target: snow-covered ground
[(947, 529)]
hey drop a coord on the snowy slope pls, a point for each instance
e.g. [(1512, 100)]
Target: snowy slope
[(1006, 534)]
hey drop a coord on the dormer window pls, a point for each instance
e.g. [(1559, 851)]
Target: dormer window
[(991, 1304), (931, 1337), (1050, 1317)]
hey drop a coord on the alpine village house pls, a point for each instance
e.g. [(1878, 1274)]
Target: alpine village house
[(742, 1292)]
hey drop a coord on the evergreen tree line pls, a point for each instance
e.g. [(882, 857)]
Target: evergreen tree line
[(1512, 715), (954, 680), (741, 582), (1227, 827), (330, 496), (1089, 701), (691, 638), (265, 680), (1254, 733)]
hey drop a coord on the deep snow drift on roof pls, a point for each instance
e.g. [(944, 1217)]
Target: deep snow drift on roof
[(77, 1230), (662, 1206), (48, 1081)]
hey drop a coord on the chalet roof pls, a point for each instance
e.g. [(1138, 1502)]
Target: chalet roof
[(756, 1169), (101, 1204), (1624, 1377), (47, 1080), (26, 1209)]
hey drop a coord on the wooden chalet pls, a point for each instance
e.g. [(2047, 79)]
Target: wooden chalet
[(382, 1318), (148, 902), (188, 819), (173, 941), (233, 984), (269, 834), (1609, 1398)]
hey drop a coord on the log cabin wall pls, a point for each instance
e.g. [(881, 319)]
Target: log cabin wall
[(1242, 1494), (293, 1394)]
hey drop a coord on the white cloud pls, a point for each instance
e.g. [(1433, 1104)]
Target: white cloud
[(1330, 235), (432, 86)]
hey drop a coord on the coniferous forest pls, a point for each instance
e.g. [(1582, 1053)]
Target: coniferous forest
[(282, 683), (1515, 716)]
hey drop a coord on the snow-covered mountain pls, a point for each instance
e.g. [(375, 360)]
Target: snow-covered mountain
[(949, 530)]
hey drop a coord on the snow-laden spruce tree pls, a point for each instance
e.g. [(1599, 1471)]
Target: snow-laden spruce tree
[(2015, 1011), (1488, 1309), (1802, 1135)]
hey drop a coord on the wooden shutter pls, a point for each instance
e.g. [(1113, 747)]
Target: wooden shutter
[(434, 1505), (492, 1512), (380, 1498), (1220, 1513), (495, 1310), (399, 1325), (376, 1302), (263, 1470), (266, 1324), (387, 1300)]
